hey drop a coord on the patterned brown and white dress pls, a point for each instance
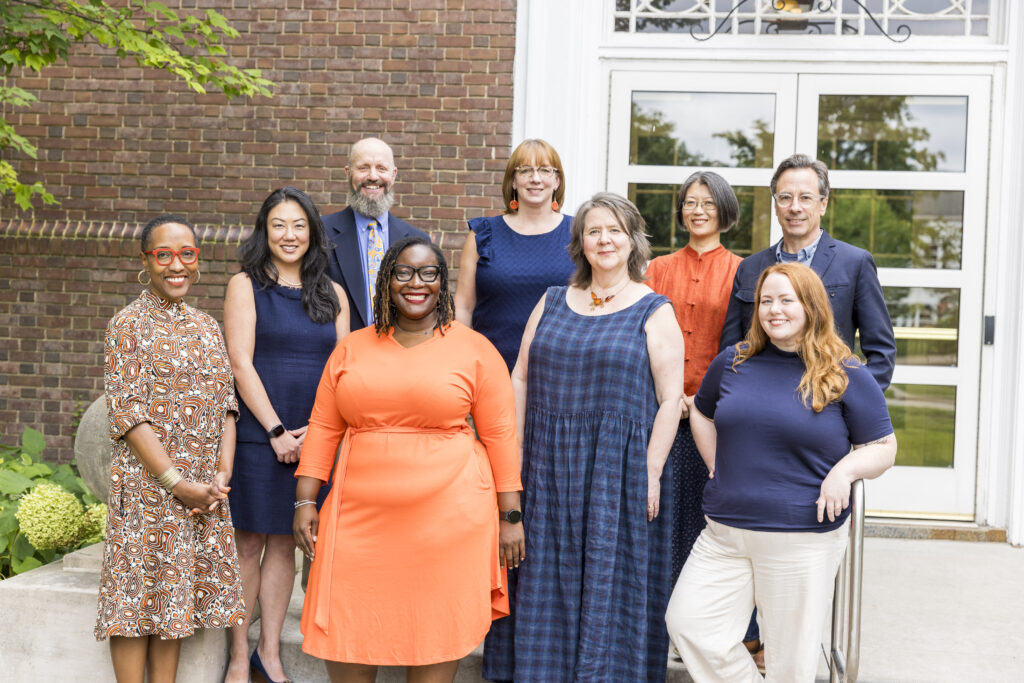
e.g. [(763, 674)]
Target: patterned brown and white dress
[(165, 573)]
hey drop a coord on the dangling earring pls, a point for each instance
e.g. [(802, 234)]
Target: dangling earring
[(196, 282), (139, 277), (554, 205), (514, 204)]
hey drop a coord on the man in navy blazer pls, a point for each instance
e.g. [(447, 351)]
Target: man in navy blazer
[(800, 190), (371, 174)]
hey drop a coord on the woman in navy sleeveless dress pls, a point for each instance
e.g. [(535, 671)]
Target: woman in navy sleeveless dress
[(283, 317), (508, 261), (602, 372), (507, 264)]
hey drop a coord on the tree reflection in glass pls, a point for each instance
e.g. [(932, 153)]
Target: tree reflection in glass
[(656, 203), (901, 228), (926, 323), (705, 129), (892, 132), (924, 420)]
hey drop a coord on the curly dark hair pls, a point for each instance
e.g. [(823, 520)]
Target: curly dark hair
[(319, 299), (384, 311)]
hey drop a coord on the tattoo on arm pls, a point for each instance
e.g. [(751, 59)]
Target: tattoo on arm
[(884, 439)]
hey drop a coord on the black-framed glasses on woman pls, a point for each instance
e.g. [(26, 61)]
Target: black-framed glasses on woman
[(187, 255), (427, 273)]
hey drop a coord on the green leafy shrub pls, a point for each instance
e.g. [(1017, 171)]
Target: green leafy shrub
[(45, 510)]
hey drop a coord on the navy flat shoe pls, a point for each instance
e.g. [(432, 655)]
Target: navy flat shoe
[(256, 666)]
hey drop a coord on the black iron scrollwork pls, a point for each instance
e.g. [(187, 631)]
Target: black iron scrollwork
[(724, 20), (821, 6), (902, 29)]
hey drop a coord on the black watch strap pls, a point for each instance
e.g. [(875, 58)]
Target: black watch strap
[(276, 431), (511, 516)]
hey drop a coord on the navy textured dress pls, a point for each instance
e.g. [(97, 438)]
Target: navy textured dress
[(289, 356), (593, 589), (512, 273)]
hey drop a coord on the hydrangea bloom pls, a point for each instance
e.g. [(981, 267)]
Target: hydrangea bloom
[(94, 526), (50, 517)]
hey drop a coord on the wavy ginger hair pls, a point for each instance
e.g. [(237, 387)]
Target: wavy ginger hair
[(823, 351)]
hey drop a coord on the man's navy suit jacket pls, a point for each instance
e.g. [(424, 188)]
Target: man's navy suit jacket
[(345, 265), (851, 282)]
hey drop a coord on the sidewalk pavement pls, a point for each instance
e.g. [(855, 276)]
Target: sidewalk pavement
[(936, 611), (933, 612)]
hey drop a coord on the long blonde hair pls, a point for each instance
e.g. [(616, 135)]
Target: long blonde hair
[(823, 351)]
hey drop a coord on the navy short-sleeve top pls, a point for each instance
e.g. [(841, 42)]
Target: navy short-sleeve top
[(773, 451)]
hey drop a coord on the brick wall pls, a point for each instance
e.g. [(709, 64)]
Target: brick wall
[(59, 285), (119, 144)]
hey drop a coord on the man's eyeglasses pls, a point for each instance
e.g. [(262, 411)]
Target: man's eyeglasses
[(707, 205), (528, 171), (426, 273), (187, 255), (784, 200)]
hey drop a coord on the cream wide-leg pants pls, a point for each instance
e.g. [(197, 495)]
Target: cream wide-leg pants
[(789, 576)]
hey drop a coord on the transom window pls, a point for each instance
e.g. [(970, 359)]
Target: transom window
[(896, 19)]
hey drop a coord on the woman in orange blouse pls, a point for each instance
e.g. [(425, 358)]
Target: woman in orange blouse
[(698, 280), (408, 550)]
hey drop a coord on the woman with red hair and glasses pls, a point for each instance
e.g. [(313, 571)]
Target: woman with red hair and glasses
[(786, 421)]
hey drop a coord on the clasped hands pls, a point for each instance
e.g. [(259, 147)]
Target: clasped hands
[(203, 498)]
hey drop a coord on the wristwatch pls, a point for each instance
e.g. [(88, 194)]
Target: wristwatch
[(511, 516), (276, 431)]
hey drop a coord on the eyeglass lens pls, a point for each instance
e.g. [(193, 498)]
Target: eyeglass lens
[(165, 256), (785, 200), (426, 273), (528, 171)]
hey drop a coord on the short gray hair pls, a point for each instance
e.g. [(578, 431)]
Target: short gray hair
[(628, 216), (803, 161)]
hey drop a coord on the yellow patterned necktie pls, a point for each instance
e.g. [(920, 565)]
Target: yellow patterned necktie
[(374, 254)]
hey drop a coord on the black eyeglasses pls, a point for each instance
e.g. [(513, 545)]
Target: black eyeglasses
[(427, 273), (187, 255)]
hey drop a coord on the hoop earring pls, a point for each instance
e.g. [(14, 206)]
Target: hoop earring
[(554, 205), (139, 277), (196, 281), (514, 204)]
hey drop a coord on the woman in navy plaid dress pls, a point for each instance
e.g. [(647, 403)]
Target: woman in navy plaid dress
[(600, 376)]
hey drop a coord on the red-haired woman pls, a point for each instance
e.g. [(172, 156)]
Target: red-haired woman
[(786, 421)]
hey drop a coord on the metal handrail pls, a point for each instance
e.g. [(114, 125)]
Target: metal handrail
[(844, 664)]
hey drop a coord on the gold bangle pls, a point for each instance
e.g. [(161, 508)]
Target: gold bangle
[(170, 478)]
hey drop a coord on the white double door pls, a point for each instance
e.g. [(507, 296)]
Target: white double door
[(908, 156)]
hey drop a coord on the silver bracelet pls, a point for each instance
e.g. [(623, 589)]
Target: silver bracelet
[(300, 503)]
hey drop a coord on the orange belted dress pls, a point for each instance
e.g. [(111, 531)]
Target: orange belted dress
[(406, 569)]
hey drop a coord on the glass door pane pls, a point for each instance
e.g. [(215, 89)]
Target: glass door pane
[(904, 163), (665, 126)]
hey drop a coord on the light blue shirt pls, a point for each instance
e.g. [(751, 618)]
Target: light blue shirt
[(363, 233), (804, 256)]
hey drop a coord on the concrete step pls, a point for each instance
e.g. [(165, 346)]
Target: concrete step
[(49, 614), (879, 527), (305, 669)]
